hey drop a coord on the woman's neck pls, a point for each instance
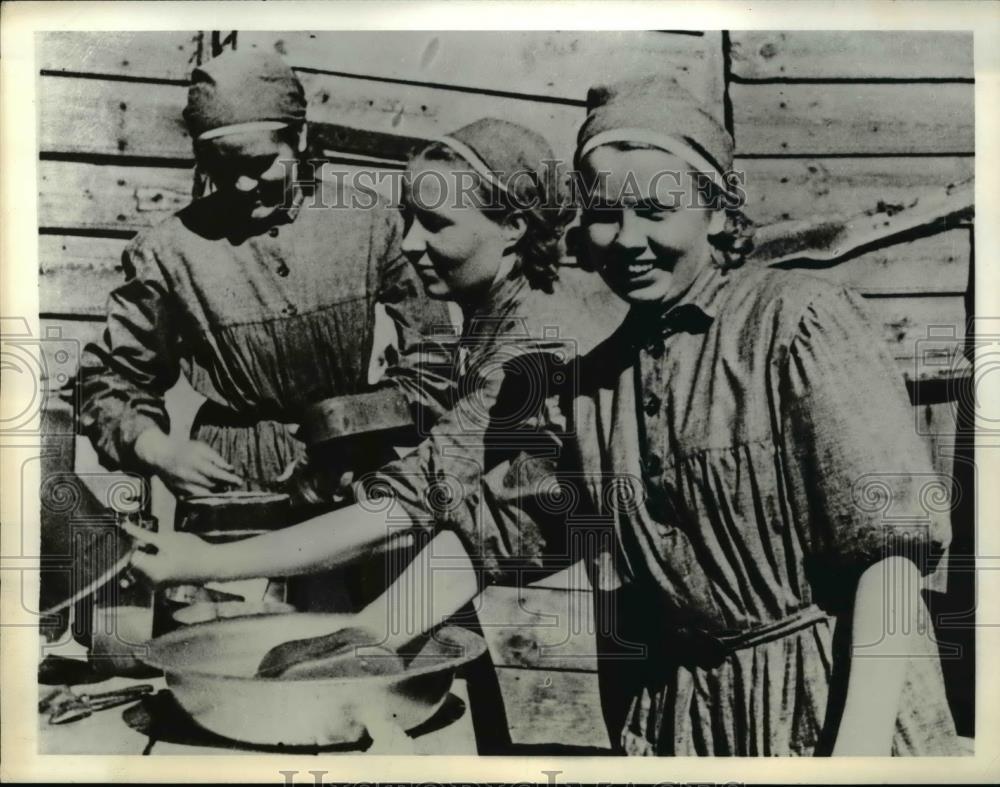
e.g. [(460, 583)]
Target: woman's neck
[(486, 300)]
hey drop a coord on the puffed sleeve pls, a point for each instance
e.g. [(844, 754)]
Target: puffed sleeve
[(486, 469), (124, 376), (425, 340), (861, 480)]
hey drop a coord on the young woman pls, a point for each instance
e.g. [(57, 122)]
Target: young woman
[(483, 228), (267, 301), (782, 521)]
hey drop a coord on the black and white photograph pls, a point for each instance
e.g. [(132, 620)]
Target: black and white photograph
[(521, 393)]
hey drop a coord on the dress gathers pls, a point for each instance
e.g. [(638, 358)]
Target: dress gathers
[(753, 451)]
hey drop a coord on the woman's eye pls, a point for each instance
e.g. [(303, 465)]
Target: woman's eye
[(653, 212), (601, 216), (433, 223)]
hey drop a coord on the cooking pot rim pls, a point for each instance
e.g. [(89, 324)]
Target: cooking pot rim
[(473, 644)]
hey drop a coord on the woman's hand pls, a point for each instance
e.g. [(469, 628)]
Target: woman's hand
[(187, 467), (171, 558)]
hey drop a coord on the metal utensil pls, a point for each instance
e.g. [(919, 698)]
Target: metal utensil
[(80, 706)]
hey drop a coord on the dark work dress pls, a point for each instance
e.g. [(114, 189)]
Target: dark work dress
[(765, 454), (264, 320)]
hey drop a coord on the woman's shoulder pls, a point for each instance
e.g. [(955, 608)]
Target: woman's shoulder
[(773, 299), (581, 310)]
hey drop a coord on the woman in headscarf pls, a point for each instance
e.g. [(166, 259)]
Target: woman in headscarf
[(267, 301), (775, 507), (484, 221)]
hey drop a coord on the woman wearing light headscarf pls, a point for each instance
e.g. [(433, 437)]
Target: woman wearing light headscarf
[(484, 221), (756, 434), (267, 299)]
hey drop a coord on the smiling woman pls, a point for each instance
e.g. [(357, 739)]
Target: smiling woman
[(750, 408), (492, 244)]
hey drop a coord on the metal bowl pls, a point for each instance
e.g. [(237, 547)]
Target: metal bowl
[(210, 669)]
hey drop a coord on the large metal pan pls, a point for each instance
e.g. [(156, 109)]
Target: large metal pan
[(210, 669)]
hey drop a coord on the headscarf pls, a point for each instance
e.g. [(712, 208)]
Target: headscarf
[(511, 158), (242, 91), (657, 111), (520, 164)]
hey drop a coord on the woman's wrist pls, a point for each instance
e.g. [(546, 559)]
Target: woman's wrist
[(149, 447)]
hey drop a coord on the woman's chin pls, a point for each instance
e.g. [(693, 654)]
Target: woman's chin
[(652, 292), (436, 289)]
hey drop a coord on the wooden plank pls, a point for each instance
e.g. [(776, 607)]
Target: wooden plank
[(421, 113), (559, 64), (854, 54), (76, 273), (97, 117), (60, 346), (849, 119), (923, 334), (108, 197), (539, 628), (551, 707), (161, 54), (572, 578), (112, 118), (936, 264), (788, 189), (937, 424)]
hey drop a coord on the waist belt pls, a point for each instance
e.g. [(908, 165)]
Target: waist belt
[(705, 649), (216, 414)]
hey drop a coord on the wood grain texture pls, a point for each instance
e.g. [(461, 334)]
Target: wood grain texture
[(553, 707), (76, 273), (923, 334), (137, 54), (855, 54), (788, 189), (818, 119), (109, 197), (421, 113), (557, 64), (112, 118), (936, 264), (539, 628)]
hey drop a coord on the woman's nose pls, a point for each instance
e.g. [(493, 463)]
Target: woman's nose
[(246, 184), (630, 232), (414, 243)]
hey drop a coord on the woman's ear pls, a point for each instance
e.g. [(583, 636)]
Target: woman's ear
[(717, 223), (513, 229)]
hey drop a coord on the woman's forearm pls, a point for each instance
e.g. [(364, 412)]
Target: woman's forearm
[(438, 582), (320, 543), (887, 613)]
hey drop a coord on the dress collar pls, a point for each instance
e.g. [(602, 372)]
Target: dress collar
[(690, 306)]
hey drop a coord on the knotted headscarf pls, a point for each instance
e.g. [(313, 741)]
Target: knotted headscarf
[(242, 91)]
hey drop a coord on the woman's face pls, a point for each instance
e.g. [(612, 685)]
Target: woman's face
[(641, 226), (256, 168), (454, 246)]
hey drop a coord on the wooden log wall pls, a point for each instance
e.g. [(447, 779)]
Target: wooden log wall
[(824, 123)]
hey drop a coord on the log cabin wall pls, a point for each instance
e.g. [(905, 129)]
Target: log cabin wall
[(824, 124)]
